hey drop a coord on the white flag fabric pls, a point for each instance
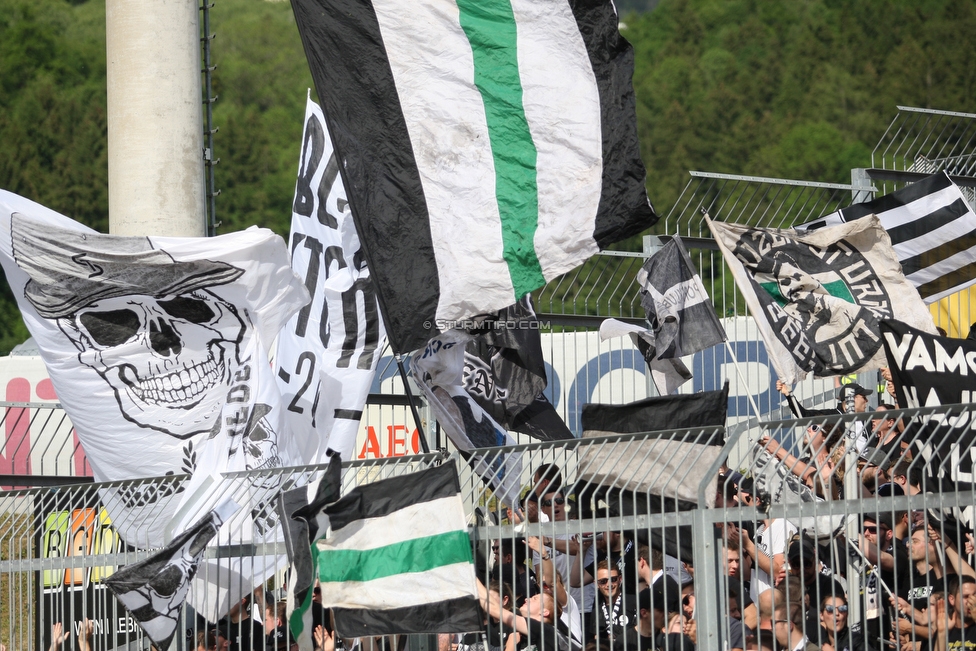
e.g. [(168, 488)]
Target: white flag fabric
[(157, 349), (819, 298), (327, 353), (668, 374)]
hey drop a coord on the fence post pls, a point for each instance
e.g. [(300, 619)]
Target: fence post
[(709, 614)]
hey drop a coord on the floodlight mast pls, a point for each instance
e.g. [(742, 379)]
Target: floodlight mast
[(156, 179)]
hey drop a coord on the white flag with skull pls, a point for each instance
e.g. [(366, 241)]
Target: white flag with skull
[(157, 349)]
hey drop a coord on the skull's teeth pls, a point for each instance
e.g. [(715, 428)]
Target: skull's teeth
[(181, 386)]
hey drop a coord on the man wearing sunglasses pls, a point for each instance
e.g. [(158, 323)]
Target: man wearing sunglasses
[(878, 545), (562, 547), (655, 606), (613, 612)]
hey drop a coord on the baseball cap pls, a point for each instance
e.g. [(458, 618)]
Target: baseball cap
[(801, 549), (875, 457), (854, 388), (747, 485)]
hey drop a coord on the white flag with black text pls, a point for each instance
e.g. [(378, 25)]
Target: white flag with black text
[(327, 353)]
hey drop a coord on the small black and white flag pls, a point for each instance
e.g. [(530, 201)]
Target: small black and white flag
[(505, 373), (932, 229), (153, 590), (303, 521), (676, 303), (667, 374)]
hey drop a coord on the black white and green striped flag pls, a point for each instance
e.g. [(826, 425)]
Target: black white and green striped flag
[(486, 146), (398, 559)]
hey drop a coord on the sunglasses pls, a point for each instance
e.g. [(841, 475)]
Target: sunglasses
[(869, 529), (555, 500), (615, 578), (816, 429), (832, 609)]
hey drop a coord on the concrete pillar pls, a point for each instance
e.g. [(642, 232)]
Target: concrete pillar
[(155, 118)]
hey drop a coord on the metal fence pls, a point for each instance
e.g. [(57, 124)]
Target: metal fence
[(802, 489)]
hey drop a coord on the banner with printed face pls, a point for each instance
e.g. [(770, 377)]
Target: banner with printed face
[(819, 298), (157, 349), (328, 352)]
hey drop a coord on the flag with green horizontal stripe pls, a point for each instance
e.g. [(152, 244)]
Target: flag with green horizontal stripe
[(487, 146), (398, 559)]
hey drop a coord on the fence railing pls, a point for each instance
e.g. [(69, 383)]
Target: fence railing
[(816, 505)]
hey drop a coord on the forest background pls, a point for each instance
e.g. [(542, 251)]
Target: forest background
[(799, 89)]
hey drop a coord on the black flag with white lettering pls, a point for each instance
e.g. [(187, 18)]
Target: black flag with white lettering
[(929, 371)]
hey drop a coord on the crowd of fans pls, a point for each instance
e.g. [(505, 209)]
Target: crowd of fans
[(880, 580)]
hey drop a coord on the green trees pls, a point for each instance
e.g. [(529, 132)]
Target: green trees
[(52, 118), (789, 89)]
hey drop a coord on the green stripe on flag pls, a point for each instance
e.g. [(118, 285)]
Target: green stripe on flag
[(417, 555), (492, 32), (296, 619)]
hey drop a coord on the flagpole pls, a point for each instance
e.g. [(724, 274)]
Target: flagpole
[(413, 405), (738, 371), (735, 360), (351, 198)]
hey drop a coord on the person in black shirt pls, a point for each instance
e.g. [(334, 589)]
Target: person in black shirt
[(510, 568), (244, 633), (804, 563), (961, 596), (889, 441), (654, 608), (536, 625), (613, 613)]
